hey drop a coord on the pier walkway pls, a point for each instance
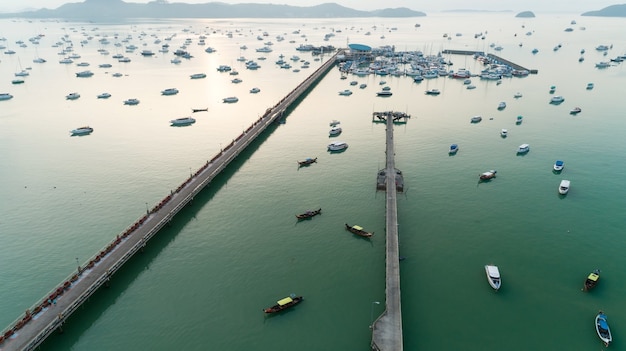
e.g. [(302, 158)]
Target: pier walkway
[(387, 329), (494, 58), (49, 313)]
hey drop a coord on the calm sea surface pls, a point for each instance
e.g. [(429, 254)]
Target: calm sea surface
[(202, 282)]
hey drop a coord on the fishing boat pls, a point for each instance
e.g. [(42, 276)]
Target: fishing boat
[(81, 130), (307, 161), (183, 121), (283, 304), (453, 149), (358, 230), (602, 328), (493, 276), (564, 187), (309, 214), (558, 165), (487, 175), (592, 280)]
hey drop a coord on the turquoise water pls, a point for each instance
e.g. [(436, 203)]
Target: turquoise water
[(202, 282)]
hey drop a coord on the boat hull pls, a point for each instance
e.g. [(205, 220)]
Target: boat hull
[(278, 308), (493, 276), (603, 330)]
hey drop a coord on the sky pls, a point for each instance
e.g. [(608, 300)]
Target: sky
[(572, 6)]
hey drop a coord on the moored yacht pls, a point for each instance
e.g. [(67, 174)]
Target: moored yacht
[(504, 133), (493, 276), (183, 121), (334, 131), (230, 99), (337, 146), (453, 149), (346, 92), (558, 165), (169, 91), (557, 99), (72, 96), (104, 96), (81, 131), (84, 74), (522, 149), (131, 102), (564, 187), (197, 76), (5, 96), (501, 105)]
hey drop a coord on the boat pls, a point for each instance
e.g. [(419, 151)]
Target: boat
[(131, 102), (502, 105), (552, 89), (169, 91), (81, 130), (84, 74), (72, 96), (103, 65), (603, 330), (333, 123), (558, 165), (487, 175), (183, 121), (197, 76), (384, 93), (236, 81), (337, 146), (283, 304), (334, 131), (519, 119), (470, 87), (147, 53), (307, 161), (194, 110), (504, 133), (476, 119), (493, 276), (5, 96), (104, 96), (592, 280), (524, 148), (17, 81), (575, 110), (453, 149), (255, 90), (603, 64), (230, 99), (358, 230), (557, 99), (564, 187), (309, 214), (589, 86), (433, 92), (363, 86), (345, 92), (517, 95)]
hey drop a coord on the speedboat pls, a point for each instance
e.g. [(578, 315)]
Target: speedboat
[(603, 64), (564, 187), (519, 119), (230, 99), (334, 131), (476, 119), (592, 280), (602, 328), (131, 102), (254, 90), (104, 96), (493, 276), (502, 105), (504, 133), (557, 99), (81, 131), (197, 76), (575, 110), (285, 303), (337, 146), (333, 123), (522, 149), (169, 91), (433, 92), (453, 149), (487, 175), (84, 74), (345, 92), (5, 96), (72, 96), (517, 95), (558, 165), (183, 121)]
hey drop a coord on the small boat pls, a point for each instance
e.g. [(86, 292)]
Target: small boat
[(84, 74), (487, 175), (504, 133), (307, 161), (17, 81), (255, 90), (575, 110), (517, 95), (194, 110), (557, 99), (309, 214), (183, 121), (476, 119), (453, 149), (72, 96), (197, 76), (131, 102), (230, 99), (558, 165), (519, 119), (169, 91), (589, 86), (433, 92), (493, 276), (552, 89), (592, 280), (363, 86), (334, 131), (345, 92), (384, 93), (355, 229), (524, 148), (502, 105), (337, 146), (564, 187), (104, 96), (602, 328), (334, 122), (470, 87), (81, 130), (5, 96), (236, 81), (283, 304)]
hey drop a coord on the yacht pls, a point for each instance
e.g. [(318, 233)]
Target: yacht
[(169, 91), (603, 64), (72, 96), (334, 131), (522, 149), (453, 149), (337, 146), (504, 133), (236, 81), (230, 99), (517, 95), (147, 53), (493, 276), (557, 99), (131, 102), (105, 65), (184, 121), (81, 131), (66, 60), (5, 96), (255, 90), (104, 96), (84, 74), (589, 86), (433, 92), (564, 187), (224, 68), (575, 111), (264, 49), (558, 165), (476, 119), (198, 75), (384, 93), (345, 92), (502, 105)]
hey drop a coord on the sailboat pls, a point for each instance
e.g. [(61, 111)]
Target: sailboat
[(22, 72), (38, 59)]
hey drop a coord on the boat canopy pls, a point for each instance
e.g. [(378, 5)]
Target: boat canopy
[(493, 271), (559, 163), (603, 323), (357, 227), (285, 301), (593, 277)]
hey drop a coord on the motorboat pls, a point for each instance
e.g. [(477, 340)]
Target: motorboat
[(283, 304), (476, 119), (84, 74), (433, 92), (603, 64), (517, 95), (105, 65), (363, 86), (169, 91), (104, 96), (453, 149), (384, 93), (519, 119), (333, 123), (470, 87), (116, 74), (522, 149), (502, 105), (346, 92), (197, 76), (81, 131), (575, 110), (602, 329), (557, 99), (17, 81), (552, 89), (309, 214), (236, 81), (255, 90), (493, 276), (487, 175), (558, 165), (131, 102), (72, 96), (504, 133), (224, 68), (147, 53), (358, 230), (5, 96), (589, 86), (592, 280), (334, 131), (307, 161), (337, 146), (564, 187), (230, 99), (183, 121)]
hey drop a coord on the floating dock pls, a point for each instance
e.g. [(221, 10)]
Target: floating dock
[(494, 58)]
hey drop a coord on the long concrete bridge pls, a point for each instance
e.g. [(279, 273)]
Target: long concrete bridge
[(51, 311)]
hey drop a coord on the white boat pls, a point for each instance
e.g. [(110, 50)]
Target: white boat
[(487, 175), (453, 149), (504, 133), (255, 90), (575, 110), (558, 165), (104, 96), (105, 65), (81, 131), (517, 95), (337, 146), (333, 123), (476, 119), (131, 102), (197, 76), (433, 92), (5, 96), (493, 276), (564, 187), (524, 148), (602, 329), (603, 64), (334, 131), (230, 99), (345, 92), (84, 74), (169, 91), (236, 81), (557, 99), (183, 121), (72, 96), (501, 105)]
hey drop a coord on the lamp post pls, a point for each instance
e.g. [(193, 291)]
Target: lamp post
[(78, 265), (147, 210), (372, 312)]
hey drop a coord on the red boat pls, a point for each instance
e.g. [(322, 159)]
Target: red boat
[(283, 304)]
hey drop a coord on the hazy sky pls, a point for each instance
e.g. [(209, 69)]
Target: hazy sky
[(575, 6)]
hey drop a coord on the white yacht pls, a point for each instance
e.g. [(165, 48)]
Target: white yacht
[(131, 102), (230, 99), (493, 276), (564, 187), (337, 146), (184, 121), (84, 74), (169, 91), (557, 99), (334, 131), (522, 149), (72, 96), (504, 133)]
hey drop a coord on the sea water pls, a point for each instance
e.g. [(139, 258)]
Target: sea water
[(203, 281)]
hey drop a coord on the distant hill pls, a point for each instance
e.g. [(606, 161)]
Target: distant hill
[(116, 9), (611, 11), (525, 14)]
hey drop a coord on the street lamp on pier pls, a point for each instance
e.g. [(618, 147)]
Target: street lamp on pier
[(147, 210), (372, 312), (78, 265)]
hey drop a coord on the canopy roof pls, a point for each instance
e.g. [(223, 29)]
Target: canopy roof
[(357, 227), (594, 277), (285, 301)]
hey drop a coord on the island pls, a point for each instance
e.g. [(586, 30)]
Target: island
[(525, 14), (610, 11)]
